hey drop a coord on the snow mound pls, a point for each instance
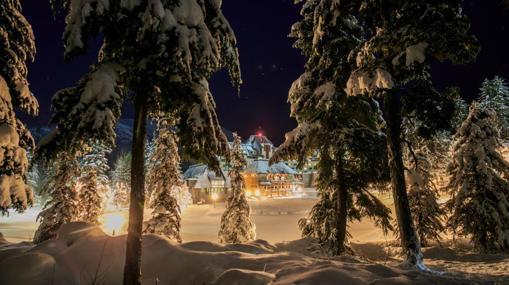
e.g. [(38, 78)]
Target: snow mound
[(83, 254), (241, 277)]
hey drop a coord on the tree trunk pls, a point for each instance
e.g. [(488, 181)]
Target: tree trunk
[(342, 204), (406, 227), (132, 269)]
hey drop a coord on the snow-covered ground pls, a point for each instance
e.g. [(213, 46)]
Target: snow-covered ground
[(83, 254), (285, 259), (275, 219)]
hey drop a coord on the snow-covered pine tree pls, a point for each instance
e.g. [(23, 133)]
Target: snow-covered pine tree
[(165, 181), (479, 184), (93, 183), (162, 53), (423, 193), (343, 129), (392, 63), (16, 48), (460, 112), (62, 207), (236, 225), (495, 96), (38, 177), (149, 152), (121, 180), (426, 159)]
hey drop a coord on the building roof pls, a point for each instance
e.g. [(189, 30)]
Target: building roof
[(281, 167), (261, 166), (204, 177), (198, 170), (258, 140)]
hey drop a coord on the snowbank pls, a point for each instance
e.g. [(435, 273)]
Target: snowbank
[(83, 254)]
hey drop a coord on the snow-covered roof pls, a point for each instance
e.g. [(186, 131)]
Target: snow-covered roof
[(198, 170), (258, 166), (281, 167), (258, 140), (261, 166), (248, 150), (204, 176)]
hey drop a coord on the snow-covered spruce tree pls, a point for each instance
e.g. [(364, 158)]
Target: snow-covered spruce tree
[(149, 152), (343, 129), (495, 96), (62, 207), (426, 158), (121, 180), (38, 177), (16, 47), (93, 183), (423, 193), (402, 39), (236, 225), (162, 54), (165, 180), (479, 184)]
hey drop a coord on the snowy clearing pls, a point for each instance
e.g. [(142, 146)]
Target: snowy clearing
[(276, 222), (83, 254)]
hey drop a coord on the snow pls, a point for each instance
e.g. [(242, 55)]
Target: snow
[(416, 53), (82, 252), (99, 92), (362, 82), (318, 32), (8, 136), (383, 79), (326, 94), (413, 54), (80, 11), (189, 13), (130, 4), (4, 90)]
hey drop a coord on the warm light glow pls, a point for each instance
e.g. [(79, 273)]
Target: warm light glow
[(258, 193), (114, 223), (249, 193), (214, 196), (259, 134)]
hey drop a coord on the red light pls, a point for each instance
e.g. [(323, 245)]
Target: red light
[(259, 134)]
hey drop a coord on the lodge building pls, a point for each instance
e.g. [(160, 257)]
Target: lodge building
[(262, 179)]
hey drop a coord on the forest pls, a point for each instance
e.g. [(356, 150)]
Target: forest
[(370, 125)]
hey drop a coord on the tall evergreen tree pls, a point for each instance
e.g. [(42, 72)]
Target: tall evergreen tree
[(334, 124), (165, 181), (63, 204), (495, 95), (163, 53), (236, 225), (392, 64), (423, 196), (93, 183), (121, 180), (149, 153), (479, 183), (16, 48), (38, 177), (426, 159)]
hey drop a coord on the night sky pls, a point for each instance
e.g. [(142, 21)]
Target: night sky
[(269, 63)]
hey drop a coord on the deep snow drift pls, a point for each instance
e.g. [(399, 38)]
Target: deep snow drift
[(84, 254)]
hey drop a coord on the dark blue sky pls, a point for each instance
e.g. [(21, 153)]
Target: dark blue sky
[(269, 63)]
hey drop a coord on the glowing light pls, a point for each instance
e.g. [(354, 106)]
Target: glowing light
[(114, 223), (249, 193), (258, 193), (259, 134), (214, 196)]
